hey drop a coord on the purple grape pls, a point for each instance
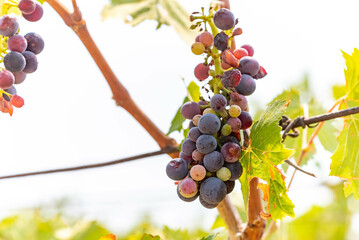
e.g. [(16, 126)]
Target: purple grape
[(213, 161), (235, 168), (224, 19), (191, 199), (224, 139), (231, 78), (231, 152), (14, 62), (190, 109), (247, 86), (19, 77), (194, 134), (36, 15), (235, 123), (261, 73), (188, 147), (209, 124), (8, 25), (230, 186), (221, 41), (246, 119), (31, 62), (206, 204), (218, 102), (177, 169), (6, 79), (191, 125), (213, 190), (35, 43), (11, 90), (197, 156), (239, 100), (206, 144), (249, 49), (27, 6), (248, 65), (17, 43)]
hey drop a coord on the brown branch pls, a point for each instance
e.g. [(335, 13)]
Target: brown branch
[(256, 224), (231, 217), (299, 168), (95, 165)]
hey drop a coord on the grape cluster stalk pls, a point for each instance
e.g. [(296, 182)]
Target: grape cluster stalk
[(209, 161), (18, 53)]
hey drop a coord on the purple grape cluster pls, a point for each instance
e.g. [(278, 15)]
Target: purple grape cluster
[(21, 58)]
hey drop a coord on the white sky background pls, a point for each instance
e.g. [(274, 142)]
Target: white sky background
[(70, 119)]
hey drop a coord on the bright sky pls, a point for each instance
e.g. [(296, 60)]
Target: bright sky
[(70, 119)]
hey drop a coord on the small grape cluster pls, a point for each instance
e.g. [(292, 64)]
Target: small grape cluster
[(18, 53), (208, 164)]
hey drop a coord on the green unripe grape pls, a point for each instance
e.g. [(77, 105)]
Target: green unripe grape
[(209, 110), (223, 113), (212, 73), (196, 119), (224, 174), (197, 48), (226, 130), (234, 111)]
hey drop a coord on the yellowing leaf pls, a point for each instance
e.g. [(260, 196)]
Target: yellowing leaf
[(351, 186), (108, 237), (265, 189), (264, 153)]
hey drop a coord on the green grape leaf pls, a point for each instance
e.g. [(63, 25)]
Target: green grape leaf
[(193, 92), (352, 74), (244, 187), (41, 1), (211, 237), (178, 120), (351, 186), (338, 91), (167, 12), (150, 237), (264, 152)]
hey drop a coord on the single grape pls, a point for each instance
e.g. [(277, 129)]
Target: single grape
[(190, 109), (14, 62), (31, 62), (224, 174), (225, 66), (249, 49), (230, 186), (196, 119), (17, 101), (231, 152), (218, 102), (206, 38), (246, 120), (206, 204), (197, 38), (234, 110), (197, 48), (191, 199), (27, 6), (206, 144), (201, 72), (194, 134), (6, 79), (191, 125), (197, 156), (261, 73), (35, 43), (209, 124), (231, 78), (188, 188), (35, 15), (19, 77), (225, 139), (221, 41), (235, 168), (11, 90), (237, 31), (224, 19), (235, 124), (17, 43), (177, 169), (247, 86), (240, 52), (213, 161), (187, 158), (209, 110), (198, 172), (188, 147), (213, 190), (226, 130), (239, 100), (228, 57), (248, 65), (8, 25)]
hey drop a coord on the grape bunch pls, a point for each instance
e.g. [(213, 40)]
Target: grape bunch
[(209, 161), (19, 53)]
